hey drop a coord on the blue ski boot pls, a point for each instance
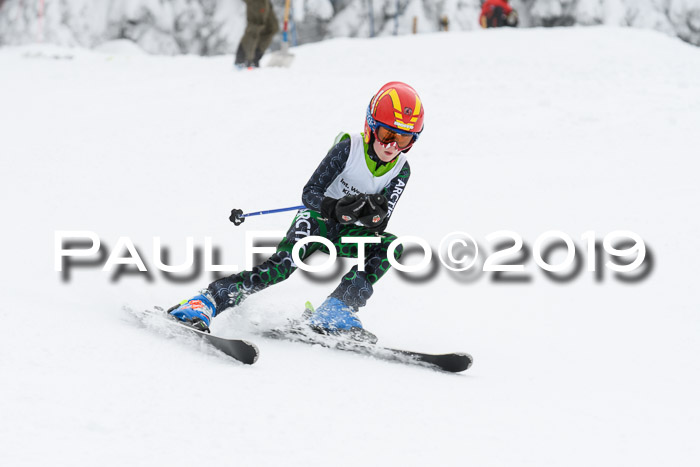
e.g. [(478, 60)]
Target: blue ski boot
[(337, 318), (196, 312)]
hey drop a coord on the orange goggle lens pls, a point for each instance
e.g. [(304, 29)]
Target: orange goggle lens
[(386, 136)]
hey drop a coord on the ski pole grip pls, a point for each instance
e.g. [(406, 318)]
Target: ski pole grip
[(236, 217)]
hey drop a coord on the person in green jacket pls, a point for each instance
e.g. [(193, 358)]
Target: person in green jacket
[(261, 28)]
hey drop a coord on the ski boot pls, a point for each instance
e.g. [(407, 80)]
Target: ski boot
[(196, 312), (334, 317)]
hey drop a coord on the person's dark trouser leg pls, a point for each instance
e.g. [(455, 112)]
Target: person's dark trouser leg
[(240, 55), (249, 42), (231, 291), (356, 287), (256, 10), (499, 17), (266, 35)]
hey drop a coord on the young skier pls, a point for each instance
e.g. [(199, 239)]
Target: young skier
[(352, 193)]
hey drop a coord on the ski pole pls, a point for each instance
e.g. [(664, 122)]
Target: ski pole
[(237, 216)]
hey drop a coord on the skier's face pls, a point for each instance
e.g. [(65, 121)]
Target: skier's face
[(386, 152)]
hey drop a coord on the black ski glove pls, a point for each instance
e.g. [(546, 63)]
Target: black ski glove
[(345, 210), (328, 208), (375, 211)]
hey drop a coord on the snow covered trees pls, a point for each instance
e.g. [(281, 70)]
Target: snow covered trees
[(209, 27), (673, 17), (203, 27)]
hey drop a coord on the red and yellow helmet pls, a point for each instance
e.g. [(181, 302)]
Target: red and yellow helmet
[(397, 108)]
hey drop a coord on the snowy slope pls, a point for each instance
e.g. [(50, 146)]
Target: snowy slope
[(577, 130)]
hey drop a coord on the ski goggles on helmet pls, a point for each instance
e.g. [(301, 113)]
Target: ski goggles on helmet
[(387, 135)]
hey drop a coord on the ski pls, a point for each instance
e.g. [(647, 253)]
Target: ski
[(238, 349), (454, 362)]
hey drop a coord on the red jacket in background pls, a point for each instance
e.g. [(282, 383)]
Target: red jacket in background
[(494, 13)]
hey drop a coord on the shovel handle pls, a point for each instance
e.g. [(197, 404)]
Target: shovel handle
[(286, 19)]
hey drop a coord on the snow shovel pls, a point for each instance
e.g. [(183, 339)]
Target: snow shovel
[(283, 57)]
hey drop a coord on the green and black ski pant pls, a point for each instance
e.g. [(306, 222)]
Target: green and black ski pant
[(355, 288)]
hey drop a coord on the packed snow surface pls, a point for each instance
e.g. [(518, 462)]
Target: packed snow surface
[(573, 129)]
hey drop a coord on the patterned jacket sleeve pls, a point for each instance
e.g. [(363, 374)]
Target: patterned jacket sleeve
[(330, 167)]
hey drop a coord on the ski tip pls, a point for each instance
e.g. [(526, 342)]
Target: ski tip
[(309, 306), (256, 349), (455, 362), (466, 360)]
